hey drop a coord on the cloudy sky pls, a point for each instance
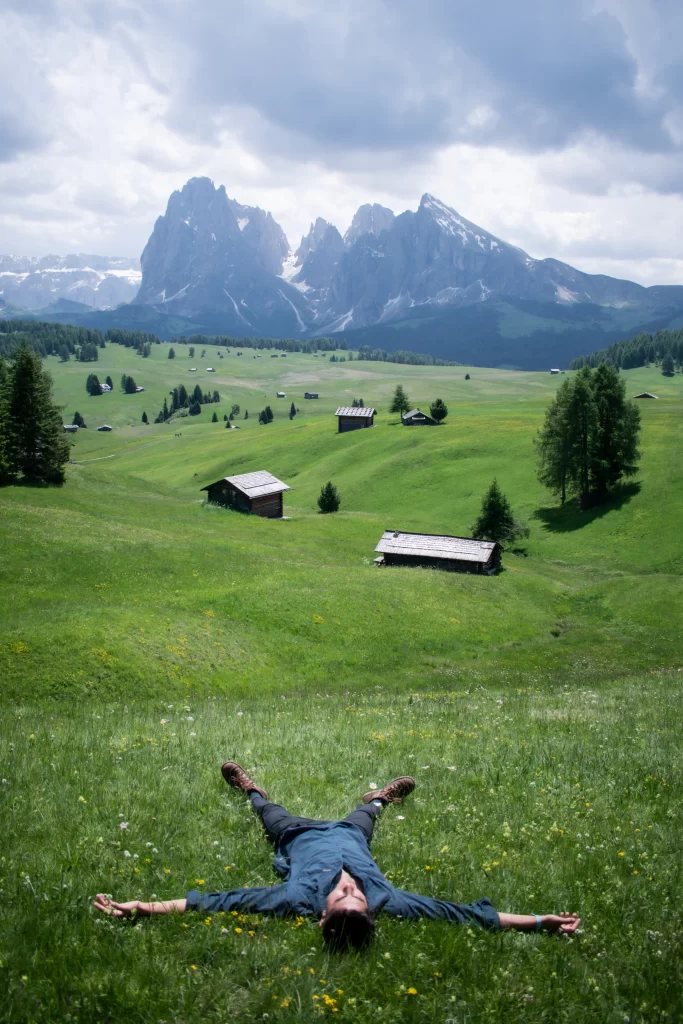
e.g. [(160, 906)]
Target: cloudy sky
[(557, 125)]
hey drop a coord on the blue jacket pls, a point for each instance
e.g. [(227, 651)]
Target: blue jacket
[(310, 858)]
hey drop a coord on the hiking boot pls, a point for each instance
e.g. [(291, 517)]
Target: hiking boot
[(393, 791), (238, 779)]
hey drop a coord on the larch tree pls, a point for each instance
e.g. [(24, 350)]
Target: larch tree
[(400, 403)]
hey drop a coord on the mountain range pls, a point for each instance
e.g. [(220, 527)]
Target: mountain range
[(97, 281), (427, 280)]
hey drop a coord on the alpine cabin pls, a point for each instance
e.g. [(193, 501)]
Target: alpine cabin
[(259, 494), (354, 418), (434, 551), (417, 418), (310, 394)]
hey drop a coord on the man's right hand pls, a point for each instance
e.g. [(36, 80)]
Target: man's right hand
[(112, 909)]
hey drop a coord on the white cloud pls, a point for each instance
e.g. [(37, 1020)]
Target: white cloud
[(310, 111)]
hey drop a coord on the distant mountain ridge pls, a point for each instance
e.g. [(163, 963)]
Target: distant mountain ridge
[(210, 255), (33, 282)]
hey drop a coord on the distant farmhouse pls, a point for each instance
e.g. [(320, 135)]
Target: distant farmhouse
[(433, 551), (259, 493), (354, 418), (281, 394), (105, 426), (646, 394), (417, 418), (70, 428), (554, 371), (105, 387), (311, 394)]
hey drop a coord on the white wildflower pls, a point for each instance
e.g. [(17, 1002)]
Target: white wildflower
[(126, 853)]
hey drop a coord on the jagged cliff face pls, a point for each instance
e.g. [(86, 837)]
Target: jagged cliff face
[(210, 254), (97, 281)]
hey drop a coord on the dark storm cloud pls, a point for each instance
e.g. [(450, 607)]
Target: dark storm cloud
[(404, 76)]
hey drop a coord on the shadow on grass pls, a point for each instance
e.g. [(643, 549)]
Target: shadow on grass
[(569, 517)]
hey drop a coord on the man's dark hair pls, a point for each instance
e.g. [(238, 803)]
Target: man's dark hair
[(344, 929)]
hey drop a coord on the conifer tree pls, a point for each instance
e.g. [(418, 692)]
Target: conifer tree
[(438, 410), (246, 414), (78, 421), (195, 409), (292, 411), (667, 365), (38, 447), (64, 354), (496, 521), (191, 352), (110, 382), (165, 411), (5, 459), (400, 402), (144, 418), (214, 418), (329, 499), (92, 385), (171, 353)]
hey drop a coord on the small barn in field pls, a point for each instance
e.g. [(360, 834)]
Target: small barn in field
[(259, 493), (434, 551), (105, 426), (646, 394), (70, 428), (354, 418), (417, 418), (311, 394)]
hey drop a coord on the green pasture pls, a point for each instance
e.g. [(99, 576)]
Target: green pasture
[(547, 698)]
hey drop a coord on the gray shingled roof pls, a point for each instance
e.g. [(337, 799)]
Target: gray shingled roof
[(354, 410), (416, 412), (254, 485), (427, 545)]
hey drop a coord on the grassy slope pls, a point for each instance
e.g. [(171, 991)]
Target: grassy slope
[(124, 581), (565, 748)]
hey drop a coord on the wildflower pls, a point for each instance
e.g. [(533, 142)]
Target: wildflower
[(400, 817), (285, 1003), (123, 824), (82, 800), (252, 933), (228, 868), (164, 721), (189, 718), (148, 845), (427, 867), (216, 843), (136, 856), (193, 967), (373, 785), (451, 767), (387, 956), (240, 714), (199, 881), (167, 871), (154, 849), (412, 991), (425, 767), (238, 931), (621, 854), (126, 853), (193, 734)]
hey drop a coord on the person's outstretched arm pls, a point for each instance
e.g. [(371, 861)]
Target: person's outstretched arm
[(564, 923), (135, 907)]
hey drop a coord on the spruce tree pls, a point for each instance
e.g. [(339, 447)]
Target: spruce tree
[(270, 416), (92, 385), (400, 402), (214, 418), (292, 411), (78, 421), (246, 414), (110, 382), (191, 352), (165, 411), (235, 410), (195, 409), (438, 410), (667, 365), (171, 353), (496, 521), (64, 354), (467, 376), (144, 418), (38, 446), (5, 458), (329, 499)]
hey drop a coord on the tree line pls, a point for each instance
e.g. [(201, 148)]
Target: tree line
[(182, 399), (664, 348)]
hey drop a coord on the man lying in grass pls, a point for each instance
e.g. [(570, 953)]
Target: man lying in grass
[(330, 874)]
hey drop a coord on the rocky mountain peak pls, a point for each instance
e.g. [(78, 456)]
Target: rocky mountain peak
[(311, 241), (369, 219)]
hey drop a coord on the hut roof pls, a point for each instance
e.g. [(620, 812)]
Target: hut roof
[(417, 412), (254, 485), (429, 545), (354, 410), (646, 394)]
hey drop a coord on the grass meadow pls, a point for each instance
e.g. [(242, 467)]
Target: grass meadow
[(145, 637)]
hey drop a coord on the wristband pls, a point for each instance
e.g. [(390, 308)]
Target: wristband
[(539, 922)]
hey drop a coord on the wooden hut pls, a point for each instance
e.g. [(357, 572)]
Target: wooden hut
[(259, 493), (417, 418), (105, 426), (311, 394), (646, 394), (433, 551), (354, 418), (70, 428)]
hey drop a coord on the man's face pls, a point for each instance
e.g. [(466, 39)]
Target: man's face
[(346, 895)]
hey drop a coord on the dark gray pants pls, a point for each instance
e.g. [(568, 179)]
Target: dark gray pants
[(277, 819)]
